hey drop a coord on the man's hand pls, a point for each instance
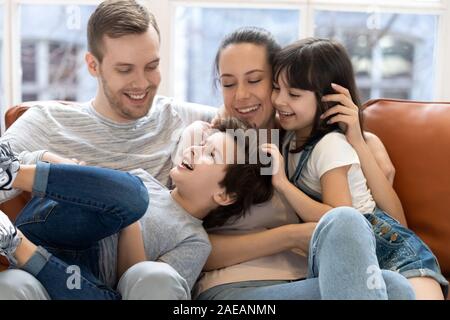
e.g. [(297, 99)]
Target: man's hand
[(54, 158)]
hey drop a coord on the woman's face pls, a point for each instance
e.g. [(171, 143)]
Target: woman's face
[(246, 81)]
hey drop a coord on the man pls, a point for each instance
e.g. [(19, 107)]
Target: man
[(126, 126)]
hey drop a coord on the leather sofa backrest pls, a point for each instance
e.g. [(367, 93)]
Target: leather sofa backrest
[(417, 138)]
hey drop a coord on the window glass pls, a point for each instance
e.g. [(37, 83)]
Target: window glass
[(198, 32), (53, 44), (393, 54)]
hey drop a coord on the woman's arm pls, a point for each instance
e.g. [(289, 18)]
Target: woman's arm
[(228, 250), (347, 113), (130, 248)]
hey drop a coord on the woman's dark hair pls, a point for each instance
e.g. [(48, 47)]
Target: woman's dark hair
[(313, 64), (253, 35), (243, 180)]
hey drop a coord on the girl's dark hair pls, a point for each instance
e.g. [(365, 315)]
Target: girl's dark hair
[(243, 180), (254, 35), (313, 64)]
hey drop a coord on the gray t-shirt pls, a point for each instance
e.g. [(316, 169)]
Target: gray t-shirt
[(171, 235)]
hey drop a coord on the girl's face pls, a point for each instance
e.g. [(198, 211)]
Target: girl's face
[(246, 81), (296, 108)]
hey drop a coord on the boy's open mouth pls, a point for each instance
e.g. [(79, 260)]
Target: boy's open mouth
[(186, 165)]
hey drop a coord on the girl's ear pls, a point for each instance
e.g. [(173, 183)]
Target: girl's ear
[(224, 199)]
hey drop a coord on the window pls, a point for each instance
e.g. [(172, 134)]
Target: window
[(399, 47), (53, 44), (393, 54), (197, 38)]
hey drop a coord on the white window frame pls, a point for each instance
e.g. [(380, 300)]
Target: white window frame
[(164, 11)]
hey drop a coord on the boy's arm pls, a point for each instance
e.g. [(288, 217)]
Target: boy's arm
[(130, 248), (29, 132)]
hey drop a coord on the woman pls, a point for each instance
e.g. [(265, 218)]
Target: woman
[(257, 256)]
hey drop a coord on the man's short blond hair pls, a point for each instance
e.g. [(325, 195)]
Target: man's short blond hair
[(116, 19)]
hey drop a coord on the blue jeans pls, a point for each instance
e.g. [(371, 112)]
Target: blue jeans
[(342, 265), (72, 209)]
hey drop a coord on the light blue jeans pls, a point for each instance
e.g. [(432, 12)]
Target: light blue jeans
[(342, 265)]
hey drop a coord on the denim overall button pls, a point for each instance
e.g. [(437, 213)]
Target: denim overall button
[(385, 229), (394, 237), (374, 221)]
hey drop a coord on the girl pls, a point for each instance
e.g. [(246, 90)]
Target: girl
[(320, 168)]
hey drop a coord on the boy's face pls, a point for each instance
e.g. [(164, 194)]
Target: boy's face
[(128, 75), (204, 166)]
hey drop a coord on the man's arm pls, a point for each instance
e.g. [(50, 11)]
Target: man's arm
[(28, 138), (190, 112)]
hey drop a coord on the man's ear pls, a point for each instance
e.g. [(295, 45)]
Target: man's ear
[(224, 199), (92, 64)]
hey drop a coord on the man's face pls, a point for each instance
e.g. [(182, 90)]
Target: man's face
[(128, 75)]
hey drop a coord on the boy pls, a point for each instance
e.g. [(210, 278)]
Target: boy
[(74, 207)]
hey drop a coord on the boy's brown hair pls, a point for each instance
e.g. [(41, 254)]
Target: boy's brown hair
[(244, 181)]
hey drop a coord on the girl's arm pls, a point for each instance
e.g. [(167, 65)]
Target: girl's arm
[(381, 156), (347, 113), (130, 248), (309, 210), (228, 250)]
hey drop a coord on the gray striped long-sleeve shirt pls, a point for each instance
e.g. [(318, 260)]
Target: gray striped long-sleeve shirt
[(80, 132)]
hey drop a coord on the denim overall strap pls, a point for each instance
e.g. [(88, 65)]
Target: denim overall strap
[(295, 178)]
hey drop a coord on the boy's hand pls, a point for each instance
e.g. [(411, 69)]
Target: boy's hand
[(278, 175), (54, 158)]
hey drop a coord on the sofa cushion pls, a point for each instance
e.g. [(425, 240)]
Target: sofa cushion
[(417, 138)]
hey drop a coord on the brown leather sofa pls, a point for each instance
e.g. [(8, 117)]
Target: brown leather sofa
[(417, 137)]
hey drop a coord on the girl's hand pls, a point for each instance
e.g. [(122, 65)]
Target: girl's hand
[(346, 113), (278, 175)]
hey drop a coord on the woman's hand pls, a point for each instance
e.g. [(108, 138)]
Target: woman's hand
[(301, 234), (346, 113), (54, 158), (278, 174)]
